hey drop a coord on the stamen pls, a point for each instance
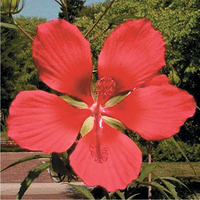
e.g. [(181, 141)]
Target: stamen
[(105, 88), (98, 150)]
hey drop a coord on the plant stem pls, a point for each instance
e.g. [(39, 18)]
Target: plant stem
[(65, 10), (22, 30), (149, 177), (94, 38), (58, 2), (103, 14)]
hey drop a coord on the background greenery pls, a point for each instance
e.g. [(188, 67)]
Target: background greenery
[(178, 21)]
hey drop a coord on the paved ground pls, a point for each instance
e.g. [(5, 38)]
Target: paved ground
[(42, 188), (17, 173)]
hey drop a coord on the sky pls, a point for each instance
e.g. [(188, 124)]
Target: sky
[(48, 9)]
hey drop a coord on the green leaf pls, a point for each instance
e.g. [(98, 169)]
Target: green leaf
[(32, 175), (74, 102), (83, 190), (176, 180), (183, 153), (110, 195), (161, 188), (116, 99), (13, 26), (134, 195), (7, 25), (28, 158), (114, 123), (171, 188), (120, 194), (87, 125), (145, 171), (120, 19)]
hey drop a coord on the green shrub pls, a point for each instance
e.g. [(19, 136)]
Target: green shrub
[(168, 152)]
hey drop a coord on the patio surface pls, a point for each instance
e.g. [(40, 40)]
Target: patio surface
[(43, 187)]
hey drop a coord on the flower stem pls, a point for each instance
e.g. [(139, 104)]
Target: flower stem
[(103, 14), (149, 177)]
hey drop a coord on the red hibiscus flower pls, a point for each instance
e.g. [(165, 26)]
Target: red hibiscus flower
[(130, 61)]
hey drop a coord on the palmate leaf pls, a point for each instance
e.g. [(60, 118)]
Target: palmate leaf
[(83, 190), (32, 175), (28, 158)]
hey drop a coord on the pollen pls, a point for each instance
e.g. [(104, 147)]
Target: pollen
[(105, 88)]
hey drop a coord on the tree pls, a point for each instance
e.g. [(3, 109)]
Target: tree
[(17, 67), (73, 9)]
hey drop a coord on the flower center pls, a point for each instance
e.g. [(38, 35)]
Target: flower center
[(104, 88)]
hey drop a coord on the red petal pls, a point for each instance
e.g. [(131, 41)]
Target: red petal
[(132, 54), (43, 121), (62, 57), (158, 80), (154, 112), (109, 159)]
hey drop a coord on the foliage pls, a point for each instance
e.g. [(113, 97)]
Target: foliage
[(167, 151), (73, 9), (32, 175), (17, 65)]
